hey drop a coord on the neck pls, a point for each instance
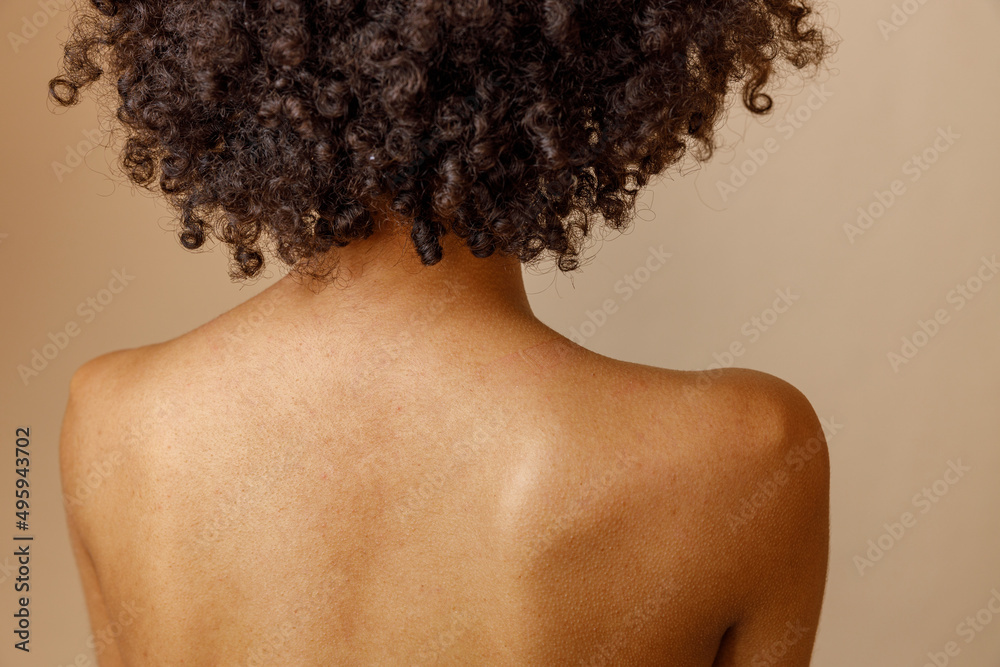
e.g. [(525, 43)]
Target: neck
[(382, 280)]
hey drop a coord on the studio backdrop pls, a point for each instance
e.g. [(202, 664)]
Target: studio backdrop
[(848, 243)]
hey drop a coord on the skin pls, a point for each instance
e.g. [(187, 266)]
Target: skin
[(406, 472)]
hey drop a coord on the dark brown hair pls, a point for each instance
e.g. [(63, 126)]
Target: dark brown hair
[(510, 123)]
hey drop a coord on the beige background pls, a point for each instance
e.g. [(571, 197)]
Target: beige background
[(893, 431)]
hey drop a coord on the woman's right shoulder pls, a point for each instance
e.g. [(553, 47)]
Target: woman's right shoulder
[(739, 427), (728, 407), (758, 488), (656, 485), (741, 409)]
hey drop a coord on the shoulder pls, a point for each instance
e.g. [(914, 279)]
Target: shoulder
[(107, 387), (649, 493), (98, 395), (126, 390), (110, 381), (111, 411), (778, 444), (99, 385), (738, 457), (748, 417), (737, 419), (127, 398), (107, 372), (765, 484), (717, 436), (750, 460), (742, 399), (762, 445)]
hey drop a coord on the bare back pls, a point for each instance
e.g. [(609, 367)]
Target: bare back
[(519, 502)]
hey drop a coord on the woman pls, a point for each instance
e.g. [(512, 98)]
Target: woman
[(385, 458)]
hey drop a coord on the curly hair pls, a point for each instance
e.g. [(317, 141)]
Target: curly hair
[(278, 125)]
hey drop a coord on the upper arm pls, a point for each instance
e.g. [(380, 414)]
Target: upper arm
[(79, 448), (108, 656), (779, 521)]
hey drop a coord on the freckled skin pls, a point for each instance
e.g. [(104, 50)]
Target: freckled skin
[(456, 485)]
